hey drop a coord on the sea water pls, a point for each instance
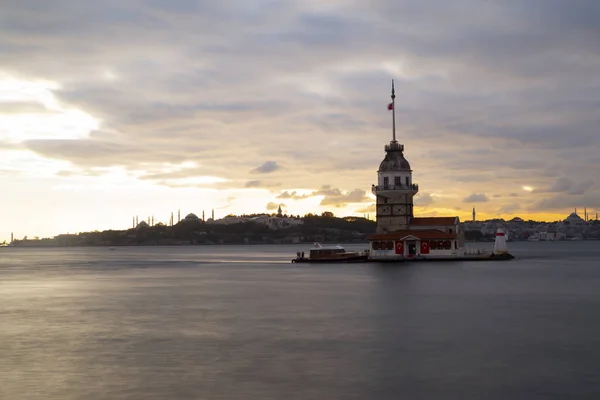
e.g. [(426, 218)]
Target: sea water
[(243, 322)]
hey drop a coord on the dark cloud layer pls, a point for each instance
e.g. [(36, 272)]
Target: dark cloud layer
[(335, 197), (293, 195), (568, 186), (331, 196), (476, 198), (267, 167), (424, 199)]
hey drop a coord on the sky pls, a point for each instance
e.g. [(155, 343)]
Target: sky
[(117, 108)]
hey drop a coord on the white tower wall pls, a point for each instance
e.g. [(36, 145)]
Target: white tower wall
[(500, 243)]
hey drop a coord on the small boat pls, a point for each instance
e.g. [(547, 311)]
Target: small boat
[(322, 254)]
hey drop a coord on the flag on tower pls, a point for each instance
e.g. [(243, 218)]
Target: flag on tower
[(391, 106)]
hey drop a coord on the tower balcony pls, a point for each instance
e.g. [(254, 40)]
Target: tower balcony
[(390, 189), (394, 146)]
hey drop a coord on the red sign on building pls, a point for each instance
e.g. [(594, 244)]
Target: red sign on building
[(399, 248), (424, 247)]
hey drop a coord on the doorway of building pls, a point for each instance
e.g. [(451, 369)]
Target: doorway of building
[(412, 249)]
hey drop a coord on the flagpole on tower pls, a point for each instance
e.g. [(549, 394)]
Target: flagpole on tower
[(393, 113)]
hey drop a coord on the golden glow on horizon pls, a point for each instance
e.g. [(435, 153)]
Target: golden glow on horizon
[(528, 188)]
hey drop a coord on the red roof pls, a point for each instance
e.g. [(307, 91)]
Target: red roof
[(419, 234), (434, 221)]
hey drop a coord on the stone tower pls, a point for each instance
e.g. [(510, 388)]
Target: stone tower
[(395, 190)]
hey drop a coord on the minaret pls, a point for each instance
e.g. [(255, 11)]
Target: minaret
[(137, 221), (395, 190), (585, 216), (213, 214), (178, 215), (474, 214), (12, 235), (133, 222), (203, 220), (171, 218)]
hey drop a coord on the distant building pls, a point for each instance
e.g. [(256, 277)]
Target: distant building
[(191, 217), (142, 225), (271, 222), (574, 219)]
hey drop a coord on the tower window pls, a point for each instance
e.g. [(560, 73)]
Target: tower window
[(386, 182), (397, 181), (407, 181)]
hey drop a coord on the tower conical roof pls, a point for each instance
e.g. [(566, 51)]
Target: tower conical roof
[(394, 159)]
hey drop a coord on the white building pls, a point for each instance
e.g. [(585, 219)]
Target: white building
[(267, 220)]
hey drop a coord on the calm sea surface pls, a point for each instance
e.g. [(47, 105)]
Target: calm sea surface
[(242, 322)]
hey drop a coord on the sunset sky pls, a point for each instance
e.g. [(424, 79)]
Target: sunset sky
[(116, 108)]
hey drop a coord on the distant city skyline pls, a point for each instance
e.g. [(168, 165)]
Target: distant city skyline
[(114, 109)]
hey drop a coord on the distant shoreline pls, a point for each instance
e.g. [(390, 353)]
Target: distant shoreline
[(37, 246)]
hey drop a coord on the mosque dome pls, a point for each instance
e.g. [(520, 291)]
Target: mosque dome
[(191, 217), (573, 217), (142, 224), (394, 159)]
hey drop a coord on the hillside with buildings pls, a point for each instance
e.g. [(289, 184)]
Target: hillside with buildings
[(573, 227), (247, 229), (272, 229)]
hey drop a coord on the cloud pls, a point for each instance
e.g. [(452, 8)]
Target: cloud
[(510, 208), (331, 196), (476, 198), (253, 184), (562, 202), (274, 206), (368, 209), (261, 184), (423, 199), (267, 167), (568, 186), (85, 152), (293, 195), (335, 197), (22, 107)]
